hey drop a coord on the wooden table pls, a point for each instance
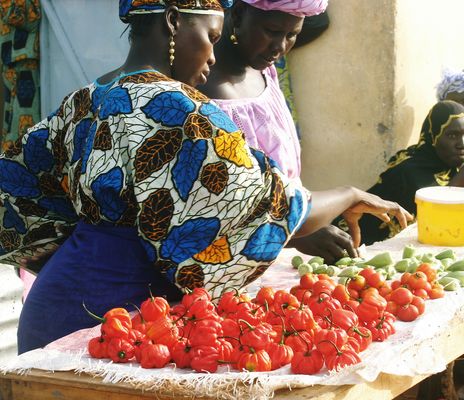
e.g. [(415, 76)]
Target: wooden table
[(41, 385)]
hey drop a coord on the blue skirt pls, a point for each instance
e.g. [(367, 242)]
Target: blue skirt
[(102, 266)]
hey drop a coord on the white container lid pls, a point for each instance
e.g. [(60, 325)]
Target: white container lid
[(441, 194)]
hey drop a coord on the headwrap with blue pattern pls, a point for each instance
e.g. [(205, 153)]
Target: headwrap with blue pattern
[(134, 7)]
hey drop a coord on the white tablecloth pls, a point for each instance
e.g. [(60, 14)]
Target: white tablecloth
[(408, 352)]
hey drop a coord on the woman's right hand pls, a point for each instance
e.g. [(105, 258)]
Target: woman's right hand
[(352, 203), (372, 204)]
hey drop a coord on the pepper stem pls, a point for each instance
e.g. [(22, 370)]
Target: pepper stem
[(102, 320)]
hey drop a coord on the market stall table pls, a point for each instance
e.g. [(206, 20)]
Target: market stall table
[(417, 350)]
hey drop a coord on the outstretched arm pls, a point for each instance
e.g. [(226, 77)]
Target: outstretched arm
[(352, 203)]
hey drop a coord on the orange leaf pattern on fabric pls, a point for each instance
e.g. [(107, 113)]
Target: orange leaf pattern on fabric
[(30, 208), (217, 253), (194, 93), (156, 151), (263, 207), (59, 149), (129, 217), (89, 209), (156, 214), (82, 104), (215, 177), (9, 240), (42, 232), (103, 137), (198, 127), (49, 185), (190, 277), (231, 146), (279, 199), (147, 77)]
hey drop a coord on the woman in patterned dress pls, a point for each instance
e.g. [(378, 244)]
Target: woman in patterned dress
[(157, 181)]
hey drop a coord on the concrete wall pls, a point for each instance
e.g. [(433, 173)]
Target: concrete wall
[(363, 88)]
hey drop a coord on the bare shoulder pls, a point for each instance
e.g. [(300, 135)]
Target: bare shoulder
[(218, 87)]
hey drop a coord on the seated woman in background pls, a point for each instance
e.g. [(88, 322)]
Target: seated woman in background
[(245, 85), (435, 160), (451, 86)]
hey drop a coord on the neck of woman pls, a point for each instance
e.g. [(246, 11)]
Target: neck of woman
[(228, 59), (140, 59)]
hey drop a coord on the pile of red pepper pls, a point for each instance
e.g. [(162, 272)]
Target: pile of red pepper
[(316, 323)]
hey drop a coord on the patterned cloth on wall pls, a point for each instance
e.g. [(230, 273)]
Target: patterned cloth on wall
[(19, 39)]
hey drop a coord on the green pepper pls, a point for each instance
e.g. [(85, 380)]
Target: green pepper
[(317, 260), (321, 269), (456, 266), (380, 260), (446, 262), (344, 261), (391, 271), (304, 269), (402, 265), (296, 261), (448, 253), (458, 275), (449, 283), (427, 258), (333, 270), (349, 272), (409, 251)]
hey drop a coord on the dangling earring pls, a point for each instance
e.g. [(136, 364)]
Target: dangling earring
[(171, 50), (233, 37)]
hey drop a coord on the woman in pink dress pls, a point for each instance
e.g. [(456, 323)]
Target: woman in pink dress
[(244, 83)]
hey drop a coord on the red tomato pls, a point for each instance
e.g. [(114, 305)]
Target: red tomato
[(428, 270), (407, 313), (405, 278), (358, 282), (418, 280), (362, 335), (308, 362), (280, 355), (256, 361), (323, 286), (392, 307), (401, 296), (308, 280), (422, 293), (437, 291), (419, 303), (367, 271), (395, 285), (385, 290), (265, 296), (376, 280)]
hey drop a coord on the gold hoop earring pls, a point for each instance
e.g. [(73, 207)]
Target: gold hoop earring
[(171, 50), (233, 37)]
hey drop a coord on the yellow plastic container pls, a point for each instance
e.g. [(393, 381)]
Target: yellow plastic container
[(440, 215)]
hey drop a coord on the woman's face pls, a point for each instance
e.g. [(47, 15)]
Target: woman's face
[(194, 53), (265, 36), (450, 145)]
